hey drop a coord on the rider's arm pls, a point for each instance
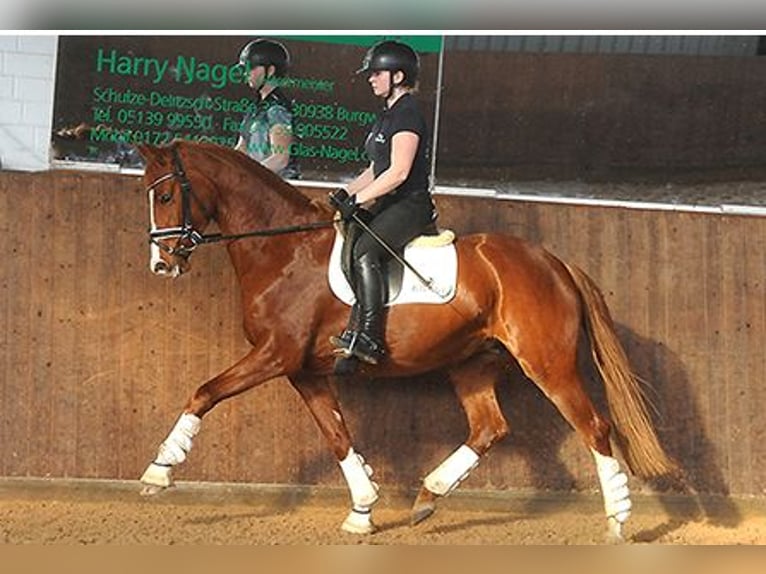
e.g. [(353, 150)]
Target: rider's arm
[(404, 146), (280, 138), (361, 181)]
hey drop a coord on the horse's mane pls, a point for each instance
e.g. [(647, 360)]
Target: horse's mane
[(245, 164)]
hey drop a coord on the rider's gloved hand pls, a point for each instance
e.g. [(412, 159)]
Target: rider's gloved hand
[(345, 204)]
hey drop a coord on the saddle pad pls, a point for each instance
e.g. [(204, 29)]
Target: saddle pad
[(437, 264)]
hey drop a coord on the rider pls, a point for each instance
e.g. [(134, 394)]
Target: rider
[(266, 131), (394, 189)]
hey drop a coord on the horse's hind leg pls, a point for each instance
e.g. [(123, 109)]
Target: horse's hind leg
[(564, 387), (474, 382), (323, 405)]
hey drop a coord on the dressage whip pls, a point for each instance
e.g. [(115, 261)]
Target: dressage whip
[(442, 292)]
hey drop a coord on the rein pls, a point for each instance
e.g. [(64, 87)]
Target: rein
[(187, 233), (215, 237)]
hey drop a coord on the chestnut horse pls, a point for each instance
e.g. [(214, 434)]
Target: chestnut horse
[(513, 301)]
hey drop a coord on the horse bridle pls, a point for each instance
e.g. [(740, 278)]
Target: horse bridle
[(188, 237)]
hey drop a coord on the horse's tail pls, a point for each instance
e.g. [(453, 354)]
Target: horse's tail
[(634, 430)]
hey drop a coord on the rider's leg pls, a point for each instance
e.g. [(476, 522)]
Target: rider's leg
[(396, 225), (369, 345)]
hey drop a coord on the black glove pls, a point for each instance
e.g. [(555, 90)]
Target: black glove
[(346, 204)]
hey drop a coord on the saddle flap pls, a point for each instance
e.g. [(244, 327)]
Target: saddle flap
[(433, 256)]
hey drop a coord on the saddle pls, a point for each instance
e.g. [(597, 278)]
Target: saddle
[(433, 256)]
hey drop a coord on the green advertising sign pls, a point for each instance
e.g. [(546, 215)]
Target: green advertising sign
[(422, 44), (113, 92)]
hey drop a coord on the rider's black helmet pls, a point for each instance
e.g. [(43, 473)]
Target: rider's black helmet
[(264, 52), (392, 56)]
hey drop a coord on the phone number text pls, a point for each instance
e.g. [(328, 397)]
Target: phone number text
[(157, 119)]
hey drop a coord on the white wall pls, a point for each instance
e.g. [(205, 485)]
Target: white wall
[(27, 74)]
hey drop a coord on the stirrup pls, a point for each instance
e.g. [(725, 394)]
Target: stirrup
[(343, 343), (367, 349)]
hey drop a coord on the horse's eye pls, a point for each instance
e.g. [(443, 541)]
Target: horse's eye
[(165, 198)]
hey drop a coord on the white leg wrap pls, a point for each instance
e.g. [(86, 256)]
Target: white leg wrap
[(455, 468), (364, 492), (179, 442), (614, 487), (171, 452)]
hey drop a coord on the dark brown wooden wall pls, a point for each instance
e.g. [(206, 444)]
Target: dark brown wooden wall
[(507, 116), (98, 355)]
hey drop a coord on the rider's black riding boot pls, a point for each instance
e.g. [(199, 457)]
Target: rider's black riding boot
[(343, 342), (369, 345), (363, 337)]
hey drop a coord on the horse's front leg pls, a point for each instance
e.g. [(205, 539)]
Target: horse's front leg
[(249, 372), (474, 383), (323, 404)]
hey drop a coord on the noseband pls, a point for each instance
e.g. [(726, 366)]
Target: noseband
[(188, 237)]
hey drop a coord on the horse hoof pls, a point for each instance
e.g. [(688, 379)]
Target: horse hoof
[(156, 477), (152, 489), (358, 529), (614, 532), (418, 515), (614, 539), (358, 523), (424, 506)]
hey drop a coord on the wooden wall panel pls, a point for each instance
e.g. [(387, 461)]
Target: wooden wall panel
[(507, 116), (98, 356)]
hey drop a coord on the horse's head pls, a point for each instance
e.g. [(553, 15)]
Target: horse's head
[(177, 214)]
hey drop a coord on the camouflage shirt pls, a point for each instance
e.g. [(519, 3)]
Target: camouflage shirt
[(273, 110)]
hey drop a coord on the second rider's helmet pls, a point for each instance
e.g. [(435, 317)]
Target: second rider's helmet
[(266, 53)]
